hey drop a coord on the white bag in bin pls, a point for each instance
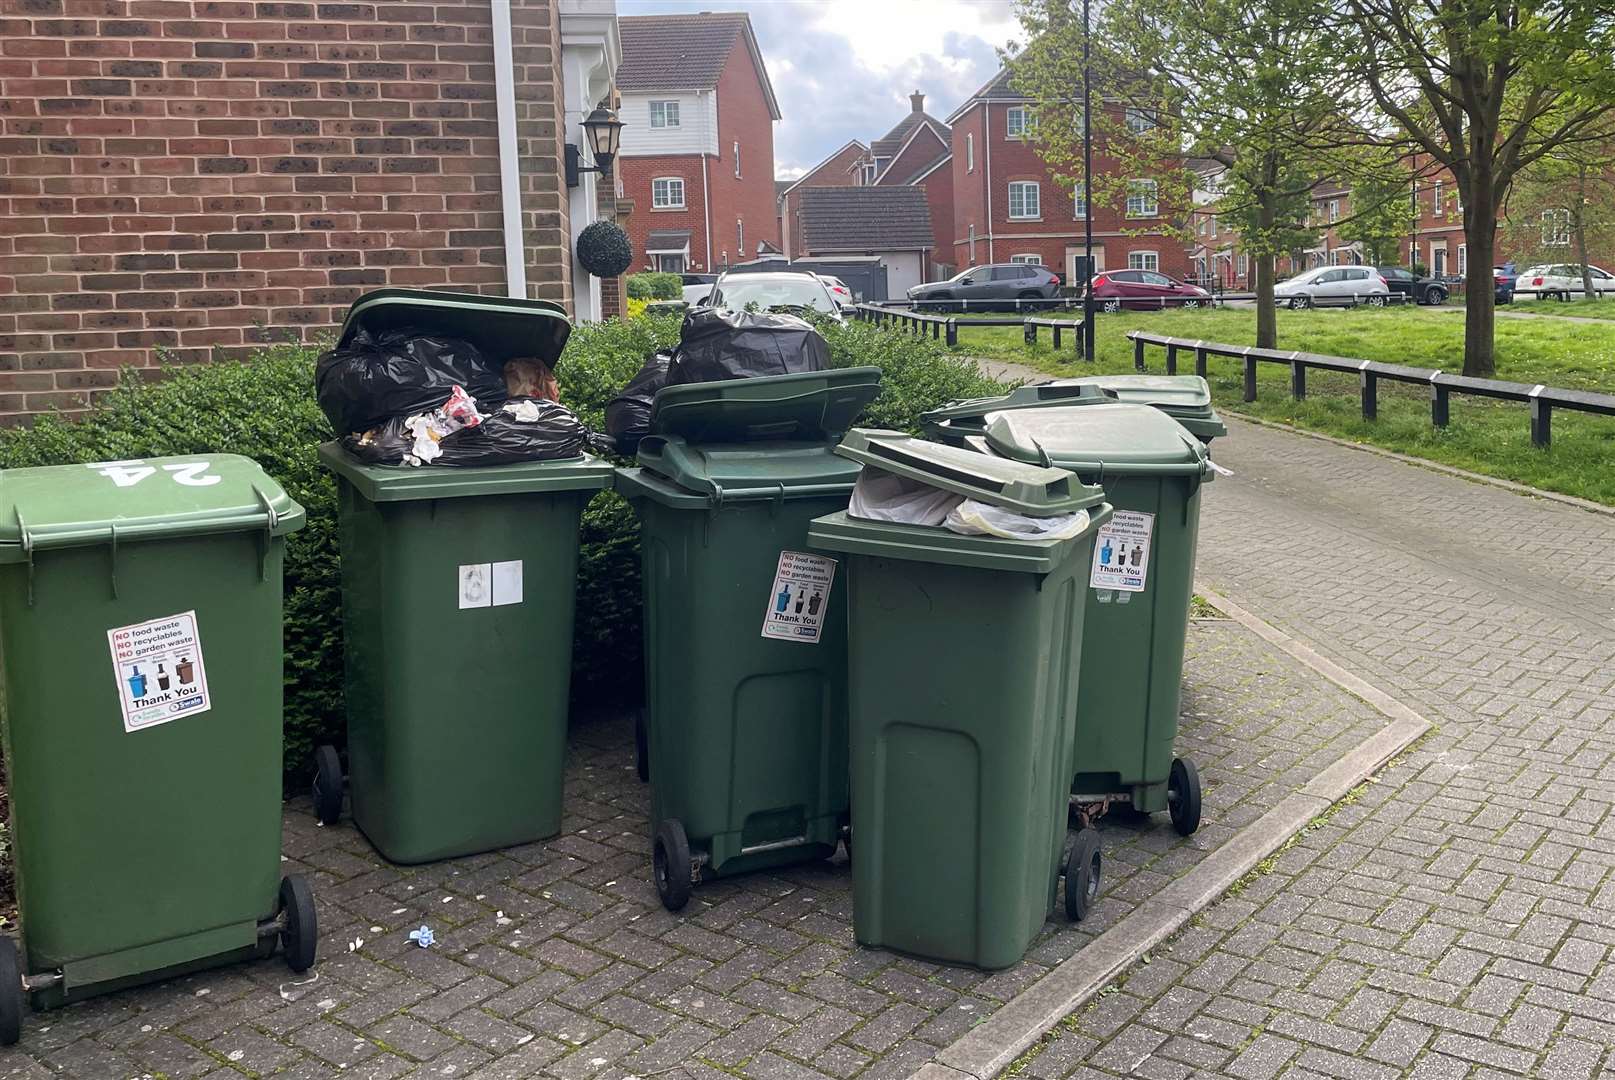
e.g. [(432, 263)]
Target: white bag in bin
[(973, 518), (882, 496)]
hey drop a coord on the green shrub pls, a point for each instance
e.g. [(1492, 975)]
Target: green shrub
[(649, 285), (264, 408)]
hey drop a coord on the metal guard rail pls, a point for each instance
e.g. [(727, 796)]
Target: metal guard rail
[(946, 327), (1543, 400)]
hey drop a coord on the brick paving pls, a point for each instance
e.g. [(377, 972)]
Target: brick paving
[(1456, 919), (557, 960)]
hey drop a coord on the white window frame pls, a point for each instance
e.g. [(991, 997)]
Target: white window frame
[(1242, 261), (972, 243), (1556, 227), (1334, 211), (1079, 205), (737, 159), (970, 152), (740, 237), (1020, 123), (669, 204), (1147, 198), (1463, 260), (664, 114), (1036, 204), (1141, 120), (1027, 259), (1436, 199), (1144, 260)]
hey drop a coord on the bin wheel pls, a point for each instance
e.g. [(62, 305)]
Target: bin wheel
[(1183, 796), (641, 746), (11, 993), (1084, 869), (327, 785), (300, 934), (670, 864)]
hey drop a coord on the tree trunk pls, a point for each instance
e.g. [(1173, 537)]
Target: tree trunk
[(1578, 219), (1480, 225), (1267, 323)]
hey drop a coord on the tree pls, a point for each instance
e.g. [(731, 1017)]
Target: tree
[(1565, 202), (1487, 88), (1381, 212), (1252, 85)]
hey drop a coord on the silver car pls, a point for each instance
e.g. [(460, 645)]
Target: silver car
[(1334, 285)]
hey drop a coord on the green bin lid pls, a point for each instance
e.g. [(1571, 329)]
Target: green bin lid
[(1028, 489), (502, 327), (1063, 391), (402, 483), (805, 405), (748, 470), (1098, 440), (145, 499), (927, 543), (1174, 393)]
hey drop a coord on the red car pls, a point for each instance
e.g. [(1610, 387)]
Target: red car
[(1116, 289)]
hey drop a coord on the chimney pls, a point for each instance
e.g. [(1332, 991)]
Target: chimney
[(917, 101)]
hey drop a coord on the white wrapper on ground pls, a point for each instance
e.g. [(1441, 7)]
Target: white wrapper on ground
[(882, 496), (974, 518)]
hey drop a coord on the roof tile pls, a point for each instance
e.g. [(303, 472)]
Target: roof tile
[(865, 219), (676, 52)]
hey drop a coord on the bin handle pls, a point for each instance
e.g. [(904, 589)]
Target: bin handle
[(27, 539), (271, 519), (1043, 455)]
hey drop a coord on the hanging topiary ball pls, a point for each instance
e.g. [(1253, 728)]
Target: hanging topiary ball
[(604, 250)]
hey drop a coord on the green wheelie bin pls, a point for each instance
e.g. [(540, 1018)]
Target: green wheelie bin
[(1185, 398), (141, 686), (745, 626), (1138, 591), (963, 666), (458, 586)]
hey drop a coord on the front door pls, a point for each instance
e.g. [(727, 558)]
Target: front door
[(1077, 270), (1438, 260)]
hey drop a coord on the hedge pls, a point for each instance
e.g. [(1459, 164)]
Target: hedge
[(264, 408), (650, 285)]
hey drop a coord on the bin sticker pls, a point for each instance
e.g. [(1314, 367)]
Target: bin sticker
[(799, 597), (490, 584), (1121, 551), (158, 665)]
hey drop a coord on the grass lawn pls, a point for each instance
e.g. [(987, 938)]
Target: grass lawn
[(1602, 308), (1484, 436)]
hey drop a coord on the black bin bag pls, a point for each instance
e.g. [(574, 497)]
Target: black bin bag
[(716, 345), (504, 437), (628, 414), (400, 372)]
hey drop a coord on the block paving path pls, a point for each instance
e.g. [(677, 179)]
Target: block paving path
[(557, 960), (1455, 920)]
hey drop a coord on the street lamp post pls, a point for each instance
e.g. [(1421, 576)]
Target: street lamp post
[(1087, 193)]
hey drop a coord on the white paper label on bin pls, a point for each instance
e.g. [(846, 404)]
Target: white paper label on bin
[(159, 669), (1121, 552), (799, 597), (490, 584)]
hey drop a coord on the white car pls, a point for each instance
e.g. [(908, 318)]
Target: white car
[(774, 291), (1334, 285), (1560, 281), (696, 295), (838, 289)]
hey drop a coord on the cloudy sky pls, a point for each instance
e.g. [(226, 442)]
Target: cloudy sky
[(843, 69)]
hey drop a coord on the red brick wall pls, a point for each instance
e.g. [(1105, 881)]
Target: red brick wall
[(199, 176), (835, 172), (939, 197), (637, 174), (743, 117), (969, 189)]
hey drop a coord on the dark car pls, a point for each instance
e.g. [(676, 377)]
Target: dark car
[(1503, 279), (1116, 289), (1416, 287), (993, 282)]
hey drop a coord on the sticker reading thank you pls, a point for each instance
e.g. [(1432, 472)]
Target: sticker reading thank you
[(799, 597), (158, 666), (1121, 551)]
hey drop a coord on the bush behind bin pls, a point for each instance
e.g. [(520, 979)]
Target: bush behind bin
[(264, 409)]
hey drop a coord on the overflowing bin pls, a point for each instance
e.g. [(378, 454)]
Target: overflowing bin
[(963, 670), (458, 588), (1185, 398), (140, 629), (1138, 590), (745, 626)]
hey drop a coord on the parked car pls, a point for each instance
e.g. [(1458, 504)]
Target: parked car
[(838, 289), (1334, 285), (995, 281), (1561, 281), (697, 288), (790, 291), (1413, 285), (1503, 279), (1116, 289)]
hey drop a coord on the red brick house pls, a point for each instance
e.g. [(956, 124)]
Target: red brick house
[(1008, 206), (918, 152), (184, 179), (847, 167), (890, 222), (697, 155)]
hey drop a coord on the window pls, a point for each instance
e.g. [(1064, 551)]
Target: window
[(1141, 120), (1437, 198), (1334, 211), (1026, 260), (1024, 204), (970, 152), (1020, 123), (1242, 261), (1143, 260), (740, 238), (670, 264), (972, 243), (871, 170), (1213, 226), (737, 159), (1079, 203), (664, 114), (667, 193), (1555, 228), (1141, 200), (1463, 260)]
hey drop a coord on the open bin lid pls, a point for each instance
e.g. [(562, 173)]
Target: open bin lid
[(803, 405), (400, 483), (502, 327), (1062, 392), (747, 470), (1098, 441), (1173, 393), (1037, 491), (147, 499)]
